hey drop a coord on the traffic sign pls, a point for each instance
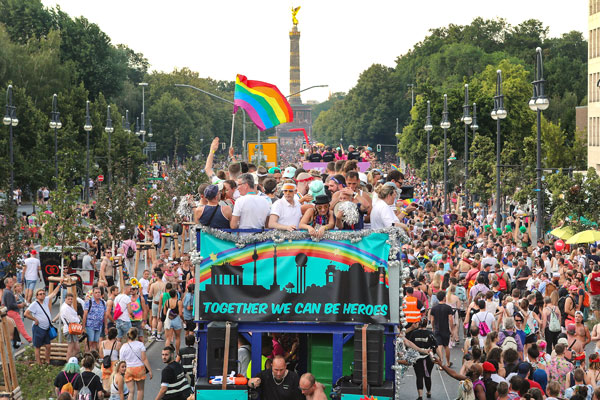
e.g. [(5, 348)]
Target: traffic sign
[(100, 178), (150, 146)]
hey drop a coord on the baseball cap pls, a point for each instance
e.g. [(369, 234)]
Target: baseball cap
[(211, 192), (316, 189), (572, 288), (363, 177), (489, 367), (33, 252), (563, 340), (289, 172), (523, 369), (73, 360)]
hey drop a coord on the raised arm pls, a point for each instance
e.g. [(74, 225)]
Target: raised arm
[(211, 155)]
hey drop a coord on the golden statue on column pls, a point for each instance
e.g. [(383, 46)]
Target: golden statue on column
[(294, 12)]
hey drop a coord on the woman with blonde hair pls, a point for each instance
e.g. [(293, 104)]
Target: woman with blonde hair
[(118, 388), (491, 341), (436, 283)]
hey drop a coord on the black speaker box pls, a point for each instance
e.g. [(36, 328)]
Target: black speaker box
[(215, 351), (375, 355)]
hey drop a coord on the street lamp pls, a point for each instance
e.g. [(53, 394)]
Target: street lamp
[(143, 130), (87, 128), (428, 128), (498, 114), (230, 102), (127, 129), (445, 124), (56, 125), (466, 118), (10, 120), (539, 102), (150, 134), (109, 129)]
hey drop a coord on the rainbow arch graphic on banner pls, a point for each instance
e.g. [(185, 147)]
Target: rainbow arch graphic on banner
[(338, 251)]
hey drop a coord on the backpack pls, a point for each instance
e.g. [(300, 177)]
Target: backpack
[(130, 252), (117, 311), (484, 329), (68, 387), (509, 341), (561, 307), (531, 326), (502, 281), (554, 325), (85, 393)]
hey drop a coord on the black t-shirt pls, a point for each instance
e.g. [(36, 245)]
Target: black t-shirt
[(594, 257), (440, 314), (423, 338), (286, 390), (315, 157), (354, 155), (91, 380), (61, 379), (178, 386), (328, 156), (524, 272)]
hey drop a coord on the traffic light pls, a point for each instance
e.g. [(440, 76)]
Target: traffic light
[(379, 148)]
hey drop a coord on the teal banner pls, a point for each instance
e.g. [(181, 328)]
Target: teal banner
[(296, 280)]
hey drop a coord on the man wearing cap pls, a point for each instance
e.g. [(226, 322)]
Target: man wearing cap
[(275, 172), (32, 270), (490, 385), (212, 214), (289, 173), (250, 211), (571, 305), (286, 212), (353, 154)]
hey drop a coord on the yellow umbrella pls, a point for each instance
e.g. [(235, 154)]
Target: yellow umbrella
[(320, 144), (564, 232), (588, 236)]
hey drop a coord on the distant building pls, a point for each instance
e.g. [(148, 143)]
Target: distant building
[(593, 109), (581, 121)]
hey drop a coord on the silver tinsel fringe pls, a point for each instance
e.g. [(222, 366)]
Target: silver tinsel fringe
[(350, 212)]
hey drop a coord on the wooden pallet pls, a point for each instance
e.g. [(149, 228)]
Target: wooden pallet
[(9, 371), (58, 352)]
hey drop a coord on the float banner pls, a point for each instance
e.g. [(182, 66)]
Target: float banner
[(296, 280), (322, 166)]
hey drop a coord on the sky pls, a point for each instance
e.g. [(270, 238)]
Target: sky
[(339, 39)]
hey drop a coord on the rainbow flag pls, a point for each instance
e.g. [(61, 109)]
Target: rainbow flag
[(395, 167), (263, 102), (406, 202)]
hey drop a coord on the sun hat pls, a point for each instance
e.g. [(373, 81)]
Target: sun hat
[(316, 188)]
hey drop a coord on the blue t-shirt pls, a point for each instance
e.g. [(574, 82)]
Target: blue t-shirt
[(95, 317), (188, 301)]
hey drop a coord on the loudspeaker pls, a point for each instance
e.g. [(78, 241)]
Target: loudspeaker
[(215, 351), (375, 355), (408, 192)]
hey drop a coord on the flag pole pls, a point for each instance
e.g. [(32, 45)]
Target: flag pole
[(232, 126)]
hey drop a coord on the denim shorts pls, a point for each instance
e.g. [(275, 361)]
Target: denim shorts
[(93, 334), (41, 337), (30, 284), (122, 328), (176, 323), (71, 338)]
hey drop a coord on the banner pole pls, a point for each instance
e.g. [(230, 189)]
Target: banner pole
[(232, 126)]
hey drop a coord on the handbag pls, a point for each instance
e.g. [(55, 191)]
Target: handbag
[(75, 328), (52, 332), (107, 360)]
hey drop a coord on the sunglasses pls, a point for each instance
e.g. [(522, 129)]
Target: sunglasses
[(518, 320), (288, 190)]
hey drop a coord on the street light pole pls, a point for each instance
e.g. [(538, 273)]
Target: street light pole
[(230, 102), (412, 94), (466, 118), (10, 120), (428, 128), (498, 114), (150, 134), (56, 125), (539, 102), (445, 124), (142, 130), (109, 129), (87, 128), (474, 127)]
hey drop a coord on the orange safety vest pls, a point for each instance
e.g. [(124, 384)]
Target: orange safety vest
[(411, 311)]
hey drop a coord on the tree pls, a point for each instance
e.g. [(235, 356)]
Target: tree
[(482, 177)]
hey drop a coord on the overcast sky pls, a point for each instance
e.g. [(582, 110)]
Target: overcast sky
[(339, 39)]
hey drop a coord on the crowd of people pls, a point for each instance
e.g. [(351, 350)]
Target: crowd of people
[(521, 312)]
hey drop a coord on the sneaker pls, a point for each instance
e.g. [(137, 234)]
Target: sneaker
[(147, 327), (159, 338)]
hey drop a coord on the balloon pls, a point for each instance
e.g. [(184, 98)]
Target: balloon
[(522, 229), (559, 245)]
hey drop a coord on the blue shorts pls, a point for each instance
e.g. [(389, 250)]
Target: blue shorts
[(41, 337), (30, 284), (93, 334), (122, 328), (176, 323)]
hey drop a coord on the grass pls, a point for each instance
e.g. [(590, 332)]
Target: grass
[(36, 381)]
